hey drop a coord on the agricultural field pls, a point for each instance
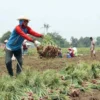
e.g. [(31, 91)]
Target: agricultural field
[(64, 78)]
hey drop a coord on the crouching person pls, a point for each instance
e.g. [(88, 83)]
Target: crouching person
[(60, 53), (70, 53)]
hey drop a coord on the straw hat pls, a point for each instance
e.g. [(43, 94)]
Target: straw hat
[(23, 18)]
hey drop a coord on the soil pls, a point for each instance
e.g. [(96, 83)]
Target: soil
[(94, 95), (56, 63)]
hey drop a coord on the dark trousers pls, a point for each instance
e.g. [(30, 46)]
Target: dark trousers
[(8, 61)]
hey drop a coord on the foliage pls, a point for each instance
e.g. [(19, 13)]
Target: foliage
[(33, 51), (84, 42), (74, 41), (5, 36), (50, 84), (2, 52), (59, 40), (48, 40), (98, 41)]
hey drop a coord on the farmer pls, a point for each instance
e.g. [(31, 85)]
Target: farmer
[(24, 47), (75, 51), (71, 52), (5, 41), (92, 47), (59, 53), (15, 41), (13, 58)]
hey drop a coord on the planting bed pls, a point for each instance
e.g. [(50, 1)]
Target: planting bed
[(35, 63)]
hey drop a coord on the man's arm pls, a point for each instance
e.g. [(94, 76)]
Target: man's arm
[(21, 33), (93, 46), (30, 31)]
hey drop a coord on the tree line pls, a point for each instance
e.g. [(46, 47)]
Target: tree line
[(60, 41)]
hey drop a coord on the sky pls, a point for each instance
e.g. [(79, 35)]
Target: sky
[(77, 18)]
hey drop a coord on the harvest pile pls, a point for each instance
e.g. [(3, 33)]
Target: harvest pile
[(48, 48), (48, 51)]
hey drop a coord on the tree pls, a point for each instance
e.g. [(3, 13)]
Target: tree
[(46, 27), (61, 42), (5, 36), (74, 41), (84, 42), (80, 42), (98, 41)]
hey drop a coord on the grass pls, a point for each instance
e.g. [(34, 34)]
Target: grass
[(64, 51), (1, 52), (49, 84)]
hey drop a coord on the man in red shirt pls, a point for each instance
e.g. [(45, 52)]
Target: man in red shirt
[(14, 44)]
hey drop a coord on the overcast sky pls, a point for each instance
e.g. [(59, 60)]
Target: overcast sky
[(67, 17)]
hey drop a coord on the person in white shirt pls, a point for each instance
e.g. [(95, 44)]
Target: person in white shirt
[(13, 57), (92, 47)]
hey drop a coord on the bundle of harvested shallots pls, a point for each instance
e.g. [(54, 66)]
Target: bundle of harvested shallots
[(48, 51)]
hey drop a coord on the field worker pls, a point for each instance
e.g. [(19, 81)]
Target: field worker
[(71, 52), (75, 51), (24, 47), (5, 41), (14, 44), (92, 47), (59, 53), (13, 58)]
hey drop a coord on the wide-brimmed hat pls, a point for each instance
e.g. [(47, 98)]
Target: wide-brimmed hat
[(23, 18)]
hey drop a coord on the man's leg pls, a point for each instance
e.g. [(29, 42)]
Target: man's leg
[(94, 53), (8, 61), (18, 55), (91, 53)]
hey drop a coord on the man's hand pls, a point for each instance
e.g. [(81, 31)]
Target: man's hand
[(42, 36), (35, 45), (33, 41)]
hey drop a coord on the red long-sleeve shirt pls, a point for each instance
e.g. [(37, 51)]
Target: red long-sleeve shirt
[(24, 35)]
